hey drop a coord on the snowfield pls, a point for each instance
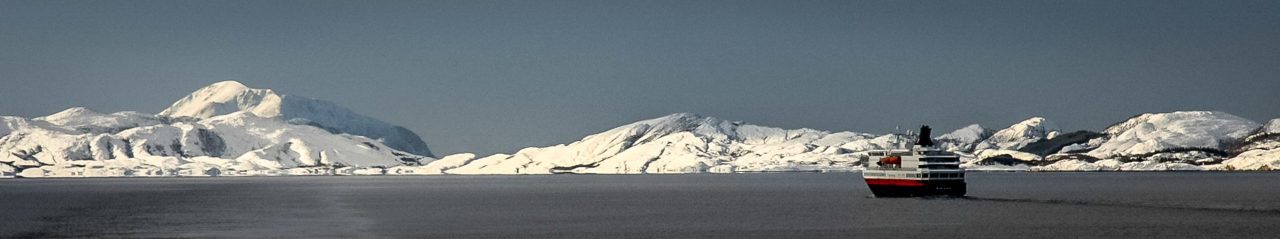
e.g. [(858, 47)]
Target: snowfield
[(1149, 133), (228, 129), (246, 138), (229, 97), (1018, 135), (681, 143)]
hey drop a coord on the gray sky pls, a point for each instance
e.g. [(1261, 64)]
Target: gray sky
[(497, 76)]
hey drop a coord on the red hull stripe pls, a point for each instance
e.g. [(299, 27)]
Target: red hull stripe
[(893, 182)]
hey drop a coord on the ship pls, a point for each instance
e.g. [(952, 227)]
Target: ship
[(921, 170)]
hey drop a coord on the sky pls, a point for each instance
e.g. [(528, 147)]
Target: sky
[(489, 77)]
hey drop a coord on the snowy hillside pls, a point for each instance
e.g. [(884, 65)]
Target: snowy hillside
[(229, 96), (964, 139), (1018, 135), (215, 141), (1260, 151), (233, 144), (1150, 133), (228, 129), (1272, 126), (682, 143), (83, 120), (1183, 140)]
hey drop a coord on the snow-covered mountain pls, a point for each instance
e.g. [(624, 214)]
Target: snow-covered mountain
[(1018, 135), (79, 142), (229, 96), (80, 119), (964, 139), (229, 129), (1183, 140), (1150, 133), (681, 143), (1259, 151)]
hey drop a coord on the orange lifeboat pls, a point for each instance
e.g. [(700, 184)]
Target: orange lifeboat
[(891, 160)]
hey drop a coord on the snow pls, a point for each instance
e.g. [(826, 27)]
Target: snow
[(228, 129), (888, 141), (411, 170), (32, 173), (1113, 165), (1019, 155), (1069, 165), (1257, 159), (7, 171), (44, 146), (964, 139), (995, 167), (1090, 145), (224, 98), (360, 171), (79, 142), (1172, 141), (449, 162), (230, 97), (1018, 135), (683, 143), (1149, 133), (1272, 126), (83, 120), (9, 123)]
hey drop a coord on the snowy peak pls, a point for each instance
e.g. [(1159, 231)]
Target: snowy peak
[(71, 114), (224, 98), (970, 134), (223, 129), (964, 139), (1033, 127), (1020, 134), (228, 97), (707, 127)]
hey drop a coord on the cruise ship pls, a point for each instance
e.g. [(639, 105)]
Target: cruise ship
[(922, 170)]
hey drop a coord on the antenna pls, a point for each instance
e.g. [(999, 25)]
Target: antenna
[(898, 136)]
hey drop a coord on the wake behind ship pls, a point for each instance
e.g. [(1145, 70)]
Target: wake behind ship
[(922, 170)]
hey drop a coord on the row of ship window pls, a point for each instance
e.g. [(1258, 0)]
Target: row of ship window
[(939, 175), (921, 175), (937, 166), (940, 160)]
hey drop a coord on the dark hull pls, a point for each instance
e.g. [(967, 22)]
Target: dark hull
[(916, 188)]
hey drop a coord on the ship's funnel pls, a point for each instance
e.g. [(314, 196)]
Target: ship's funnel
[(924, 139)]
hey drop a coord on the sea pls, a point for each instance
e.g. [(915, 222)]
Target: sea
[(759, 205)]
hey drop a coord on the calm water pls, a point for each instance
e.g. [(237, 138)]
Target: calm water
[(1006, 205)]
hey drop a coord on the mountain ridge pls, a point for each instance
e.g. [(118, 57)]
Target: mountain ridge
[(231, 96), (225, 134), (229, 129)]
